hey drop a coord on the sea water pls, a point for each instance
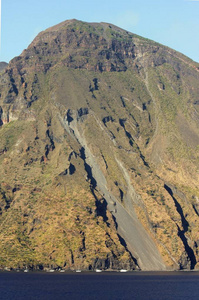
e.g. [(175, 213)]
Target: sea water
[(105, 285)]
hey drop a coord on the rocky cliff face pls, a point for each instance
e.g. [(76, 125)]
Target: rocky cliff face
[(99, 152)]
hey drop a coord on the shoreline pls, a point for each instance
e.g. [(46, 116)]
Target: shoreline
[(129, 272)]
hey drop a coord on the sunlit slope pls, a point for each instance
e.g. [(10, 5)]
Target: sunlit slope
[(99, 152)]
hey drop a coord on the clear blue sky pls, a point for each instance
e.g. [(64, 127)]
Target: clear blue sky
[(174, 23)]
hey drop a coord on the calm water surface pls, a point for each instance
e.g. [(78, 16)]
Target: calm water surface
[(137, 285)]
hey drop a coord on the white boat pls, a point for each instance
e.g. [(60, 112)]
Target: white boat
[(123, 270), (26, 271), (78, 271), (62, 271), (98, 271)]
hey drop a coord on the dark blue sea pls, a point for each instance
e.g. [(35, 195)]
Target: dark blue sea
[(105, 285)]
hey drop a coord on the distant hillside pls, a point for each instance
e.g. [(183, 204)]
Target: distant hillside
[(99, 153), (3, 65)]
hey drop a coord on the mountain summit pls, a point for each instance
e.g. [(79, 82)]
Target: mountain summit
[(99, 153)]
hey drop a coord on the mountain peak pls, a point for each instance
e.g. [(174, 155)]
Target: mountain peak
[(94, 46)]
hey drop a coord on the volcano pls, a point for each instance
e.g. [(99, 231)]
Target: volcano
[(99, 153)]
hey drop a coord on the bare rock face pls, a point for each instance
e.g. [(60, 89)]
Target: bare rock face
[(99, 153)]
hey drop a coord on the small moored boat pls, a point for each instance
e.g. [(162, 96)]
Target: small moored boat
[(26, 271)]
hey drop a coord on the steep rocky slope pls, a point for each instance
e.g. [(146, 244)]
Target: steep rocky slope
[(99, 152)]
